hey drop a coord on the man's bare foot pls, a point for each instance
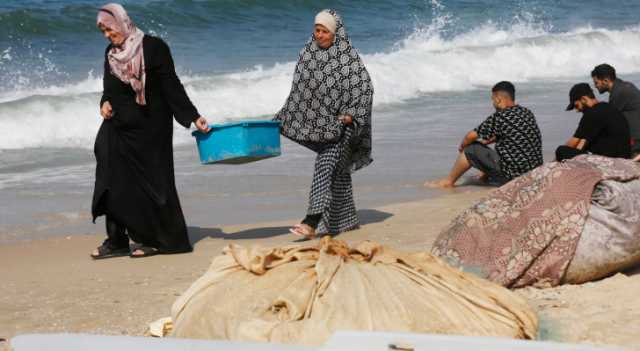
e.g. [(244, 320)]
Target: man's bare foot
[(440, 183)]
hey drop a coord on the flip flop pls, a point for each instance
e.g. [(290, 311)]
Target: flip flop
[(105, 251), (146, 251), (299, 230)]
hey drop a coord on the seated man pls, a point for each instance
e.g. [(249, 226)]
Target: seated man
[(518, 141), (603, 130), (624, 96)]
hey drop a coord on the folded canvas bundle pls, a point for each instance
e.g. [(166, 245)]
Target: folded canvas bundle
[(528, 231), (302, 294), (610, 240)]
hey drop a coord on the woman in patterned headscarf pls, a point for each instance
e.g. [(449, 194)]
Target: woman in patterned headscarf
[(329, 111), (135, 187)]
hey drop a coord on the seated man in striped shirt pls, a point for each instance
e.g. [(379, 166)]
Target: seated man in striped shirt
[(517, 138)]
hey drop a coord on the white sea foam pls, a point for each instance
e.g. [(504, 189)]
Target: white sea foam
[(424, 62), (91, 84)]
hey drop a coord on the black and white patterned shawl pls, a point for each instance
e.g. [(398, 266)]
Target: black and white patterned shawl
[(328, 83)]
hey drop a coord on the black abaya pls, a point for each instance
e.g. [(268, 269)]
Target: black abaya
[(135, 185)]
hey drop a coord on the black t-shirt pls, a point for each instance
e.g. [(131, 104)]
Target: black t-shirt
[(606, 131)]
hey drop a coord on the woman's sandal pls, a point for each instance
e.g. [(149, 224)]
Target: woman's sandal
[(146, 252), (304, 231), (104, 251)]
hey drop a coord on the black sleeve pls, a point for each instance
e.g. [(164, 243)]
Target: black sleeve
[(590, 126), (183, 110), (489, 127), (106, 96)]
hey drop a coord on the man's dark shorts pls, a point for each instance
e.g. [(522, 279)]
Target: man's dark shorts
[(564, 152), (486, 160)]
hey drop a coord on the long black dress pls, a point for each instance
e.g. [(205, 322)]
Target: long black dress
[(135, 184)]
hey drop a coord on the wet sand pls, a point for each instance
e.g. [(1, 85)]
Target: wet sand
[(53, 286)]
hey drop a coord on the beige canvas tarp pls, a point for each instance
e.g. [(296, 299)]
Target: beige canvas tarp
[(302, 294)]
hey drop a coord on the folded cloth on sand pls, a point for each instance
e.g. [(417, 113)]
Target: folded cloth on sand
[(302, 294), (610, 240), (526, 232)]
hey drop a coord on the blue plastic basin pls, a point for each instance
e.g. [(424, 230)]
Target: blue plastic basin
[(240, 142)]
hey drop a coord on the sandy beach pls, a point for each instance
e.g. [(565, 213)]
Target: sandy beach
[(53, 286)]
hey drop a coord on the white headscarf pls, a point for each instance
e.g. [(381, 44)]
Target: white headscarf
[(326, 19)]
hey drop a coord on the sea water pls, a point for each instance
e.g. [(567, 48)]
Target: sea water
[(432, 64)]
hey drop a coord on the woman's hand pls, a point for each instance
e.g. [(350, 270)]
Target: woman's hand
[(346, 119), (637, 158), (202, 124), (106, 111)]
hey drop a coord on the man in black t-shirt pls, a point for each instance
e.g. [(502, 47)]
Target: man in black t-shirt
[(602, 130)]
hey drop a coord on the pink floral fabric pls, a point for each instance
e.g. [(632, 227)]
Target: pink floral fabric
[(127, 59), (526, 232)]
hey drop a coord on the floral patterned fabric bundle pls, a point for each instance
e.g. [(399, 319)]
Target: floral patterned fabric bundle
[(526, 232)]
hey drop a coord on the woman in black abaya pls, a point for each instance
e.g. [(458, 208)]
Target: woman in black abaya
[(135, 186)]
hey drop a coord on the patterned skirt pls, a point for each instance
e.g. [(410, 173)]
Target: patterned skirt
[(332, 189)]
